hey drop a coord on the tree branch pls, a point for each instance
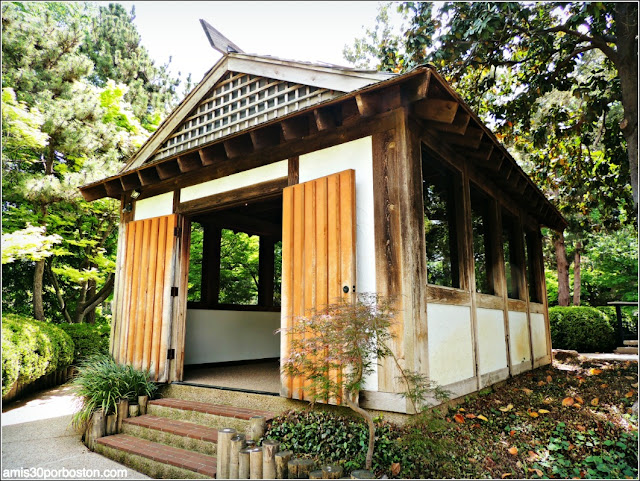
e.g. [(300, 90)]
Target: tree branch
[(56, 286), (100, 296)]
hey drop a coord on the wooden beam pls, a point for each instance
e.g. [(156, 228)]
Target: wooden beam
[(416, 88), (238, 146), (458, 126), (349, 112), (367, 104), (130, 181), (189, 162), (168, 169), (212, 154), (493, 162), (114, 188), (472, 138), (436, 109), (148, 176), (483, 153), (266, 268), (95, 192), (295, 128), (294, 170), (246, 223), (390, 98), (265, 137), (325, 119)]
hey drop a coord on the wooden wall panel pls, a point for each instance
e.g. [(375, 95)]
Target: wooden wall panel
[(318, 255), (142, 315)]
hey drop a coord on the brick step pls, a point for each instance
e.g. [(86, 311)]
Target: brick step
[(631, 342), (626, 350), (210, 415), (180, 434), (156, 460)]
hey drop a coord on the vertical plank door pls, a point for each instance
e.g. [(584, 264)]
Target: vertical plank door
[(143, 302), (318, 256)]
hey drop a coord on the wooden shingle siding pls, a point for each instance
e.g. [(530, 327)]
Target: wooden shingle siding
[(318, 255), (143, 304)]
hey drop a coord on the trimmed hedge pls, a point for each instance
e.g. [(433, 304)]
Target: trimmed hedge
[(89, 339), (32, 349), (584, 329)]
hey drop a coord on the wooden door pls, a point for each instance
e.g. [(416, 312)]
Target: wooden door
[(318, 254), (144, 298)]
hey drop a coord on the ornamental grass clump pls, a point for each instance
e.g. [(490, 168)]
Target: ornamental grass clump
[(101, 383), (335, 348)]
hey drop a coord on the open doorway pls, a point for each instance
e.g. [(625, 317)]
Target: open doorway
[(233, 302)]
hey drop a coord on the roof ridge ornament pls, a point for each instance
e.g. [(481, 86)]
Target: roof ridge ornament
[(218, 41)]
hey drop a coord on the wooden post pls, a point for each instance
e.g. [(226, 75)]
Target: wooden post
[(122, 412), (257, 426), (317, 474), (282, 459), (142, 402), (134, 410), (300, 468), (224, 448), (332, 471), (362, 474), (237, 445), (244, 463), (255, 463), (269, 450), (96, 429), (112, 424)]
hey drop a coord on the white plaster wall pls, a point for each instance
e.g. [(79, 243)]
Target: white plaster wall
[(450, 346), (539, 335), (246, 178), (492, 347), (519, 338), (357, 155), (156, 206), (221, 336)]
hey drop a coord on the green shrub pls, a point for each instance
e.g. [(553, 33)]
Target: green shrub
[(89, 339), (629, 317), (101, 382), (32, 349), (335, 439), (584, 329)]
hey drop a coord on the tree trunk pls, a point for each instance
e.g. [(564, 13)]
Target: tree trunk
[(372, 429), (626, 18), (38, 307), (576, 273), (563, 270)]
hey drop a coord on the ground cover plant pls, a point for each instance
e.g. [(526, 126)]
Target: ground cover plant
[(572, 419)]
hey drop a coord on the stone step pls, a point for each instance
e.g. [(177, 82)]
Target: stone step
[(180, 434), (626, 350), (210, 415), (631, 342), (156, 460)]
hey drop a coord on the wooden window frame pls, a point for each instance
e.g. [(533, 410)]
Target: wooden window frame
[(489, 237), (516, 256)]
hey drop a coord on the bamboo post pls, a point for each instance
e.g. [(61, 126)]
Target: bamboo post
[(142, 402), (237, 445), (332, 471), (257, 426), (112, 423), (122, 412), (316, 474), (224, 448), (300, 468), (282, 459), (250, 443), (244, 463), (362, 474), (96, 429), (255, 463), (269, 450), (134, 410)]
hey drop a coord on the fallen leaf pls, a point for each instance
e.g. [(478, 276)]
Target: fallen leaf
[(533, 455), (507, 408), (395, 469), (534, 470), (604, 385), (581, 428), (473, 460), (512, 433), (543, 411), (547, 400), (513, 450), (629, 394), (577, 405), (594, 372), (541, 383), (579, 399), (635, 384), (527, 391), (461, 409), (459, 418), (595, 401), (630, 377), (482, 417), (533, 414), (470, 416), (568, 401), (571, 446), (506, 475), (448, 420), (476, 425), (549, 379)]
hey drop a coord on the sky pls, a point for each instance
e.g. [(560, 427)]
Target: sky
[(309, 31)]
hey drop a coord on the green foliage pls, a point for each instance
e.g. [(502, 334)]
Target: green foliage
[(28, 243), (584, 329), (89, 339), (101, 383), (335, 439), (31, 349), (552, 287), (239, 267)]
